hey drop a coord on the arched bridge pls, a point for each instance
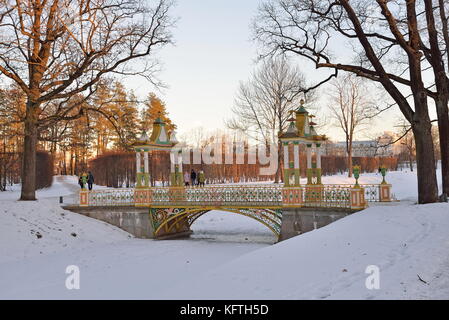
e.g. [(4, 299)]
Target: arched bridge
[(172, 210)]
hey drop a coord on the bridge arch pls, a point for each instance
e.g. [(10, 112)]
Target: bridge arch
[(270, 218)]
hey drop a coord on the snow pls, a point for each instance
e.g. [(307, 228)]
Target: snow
[(112, 263), (229, 257), (62, 186), (404, 241)]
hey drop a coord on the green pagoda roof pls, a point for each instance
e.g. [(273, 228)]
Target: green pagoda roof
[(301, 108)]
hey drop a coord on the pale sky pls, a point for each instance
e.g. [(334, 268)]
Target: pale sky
[(213, 52)]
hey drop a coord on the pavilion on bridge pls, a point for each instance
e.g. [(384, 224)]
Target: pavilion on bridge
[(160, 139), (301, 131)]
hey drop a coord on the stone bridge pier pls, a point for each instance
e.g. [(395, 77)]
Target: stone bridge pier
[(132, 219), (142, 223), (296, 221)]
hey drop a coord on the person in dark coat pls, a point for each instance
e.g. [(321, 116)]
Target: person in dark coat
[(193, 177), (90, 180), (80, 182)]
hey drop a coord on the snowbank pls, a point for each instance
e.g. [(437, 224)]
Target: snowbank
[(406, 242), (112, 264), (29, 229)]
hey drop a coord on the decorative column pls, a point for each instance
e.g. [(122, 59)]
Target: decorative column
[(84, 198), (176, 177), (286, 166), (172, 169), (285, 155), (309, 164), (292, 194), (385, 193), (296, 162), (318, 163), (146, 174), (180, 177), (180, 161), (357, 193), (142, 192), (138, 169), (358, 198)]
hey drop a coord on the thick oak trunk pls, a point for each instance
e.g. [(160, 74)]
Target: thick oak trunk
[(28, 174), (442, 84), (425, 162)]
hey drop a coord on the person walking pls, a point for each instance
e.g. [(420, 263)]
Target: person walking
[(84, 178), (201, 178), (80, 181), (186, 179), (90, 180), (193, 177), (83, 181)]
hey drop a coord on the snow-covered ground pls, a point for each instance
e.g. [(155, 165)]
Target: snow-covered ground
[(230, 256)]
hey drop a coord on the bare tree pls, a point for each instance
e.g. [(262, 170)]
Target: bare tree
[(351, 107), (407, 141), (263, 103), (58, 49), (388, 43), (436, 53)]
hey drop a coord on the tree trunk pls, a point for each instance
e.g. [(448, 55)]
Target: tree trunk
[(28, 173), (71, 162), (425, 163), (443, 131), (350, 160), (65, 162), (442, 83), (277, 177)]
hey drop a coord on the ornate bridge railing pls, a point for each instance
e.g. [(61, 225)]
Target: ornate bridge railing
[(243, 196), (111, 197), (372, 191), (233, 196), (327, 196)]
